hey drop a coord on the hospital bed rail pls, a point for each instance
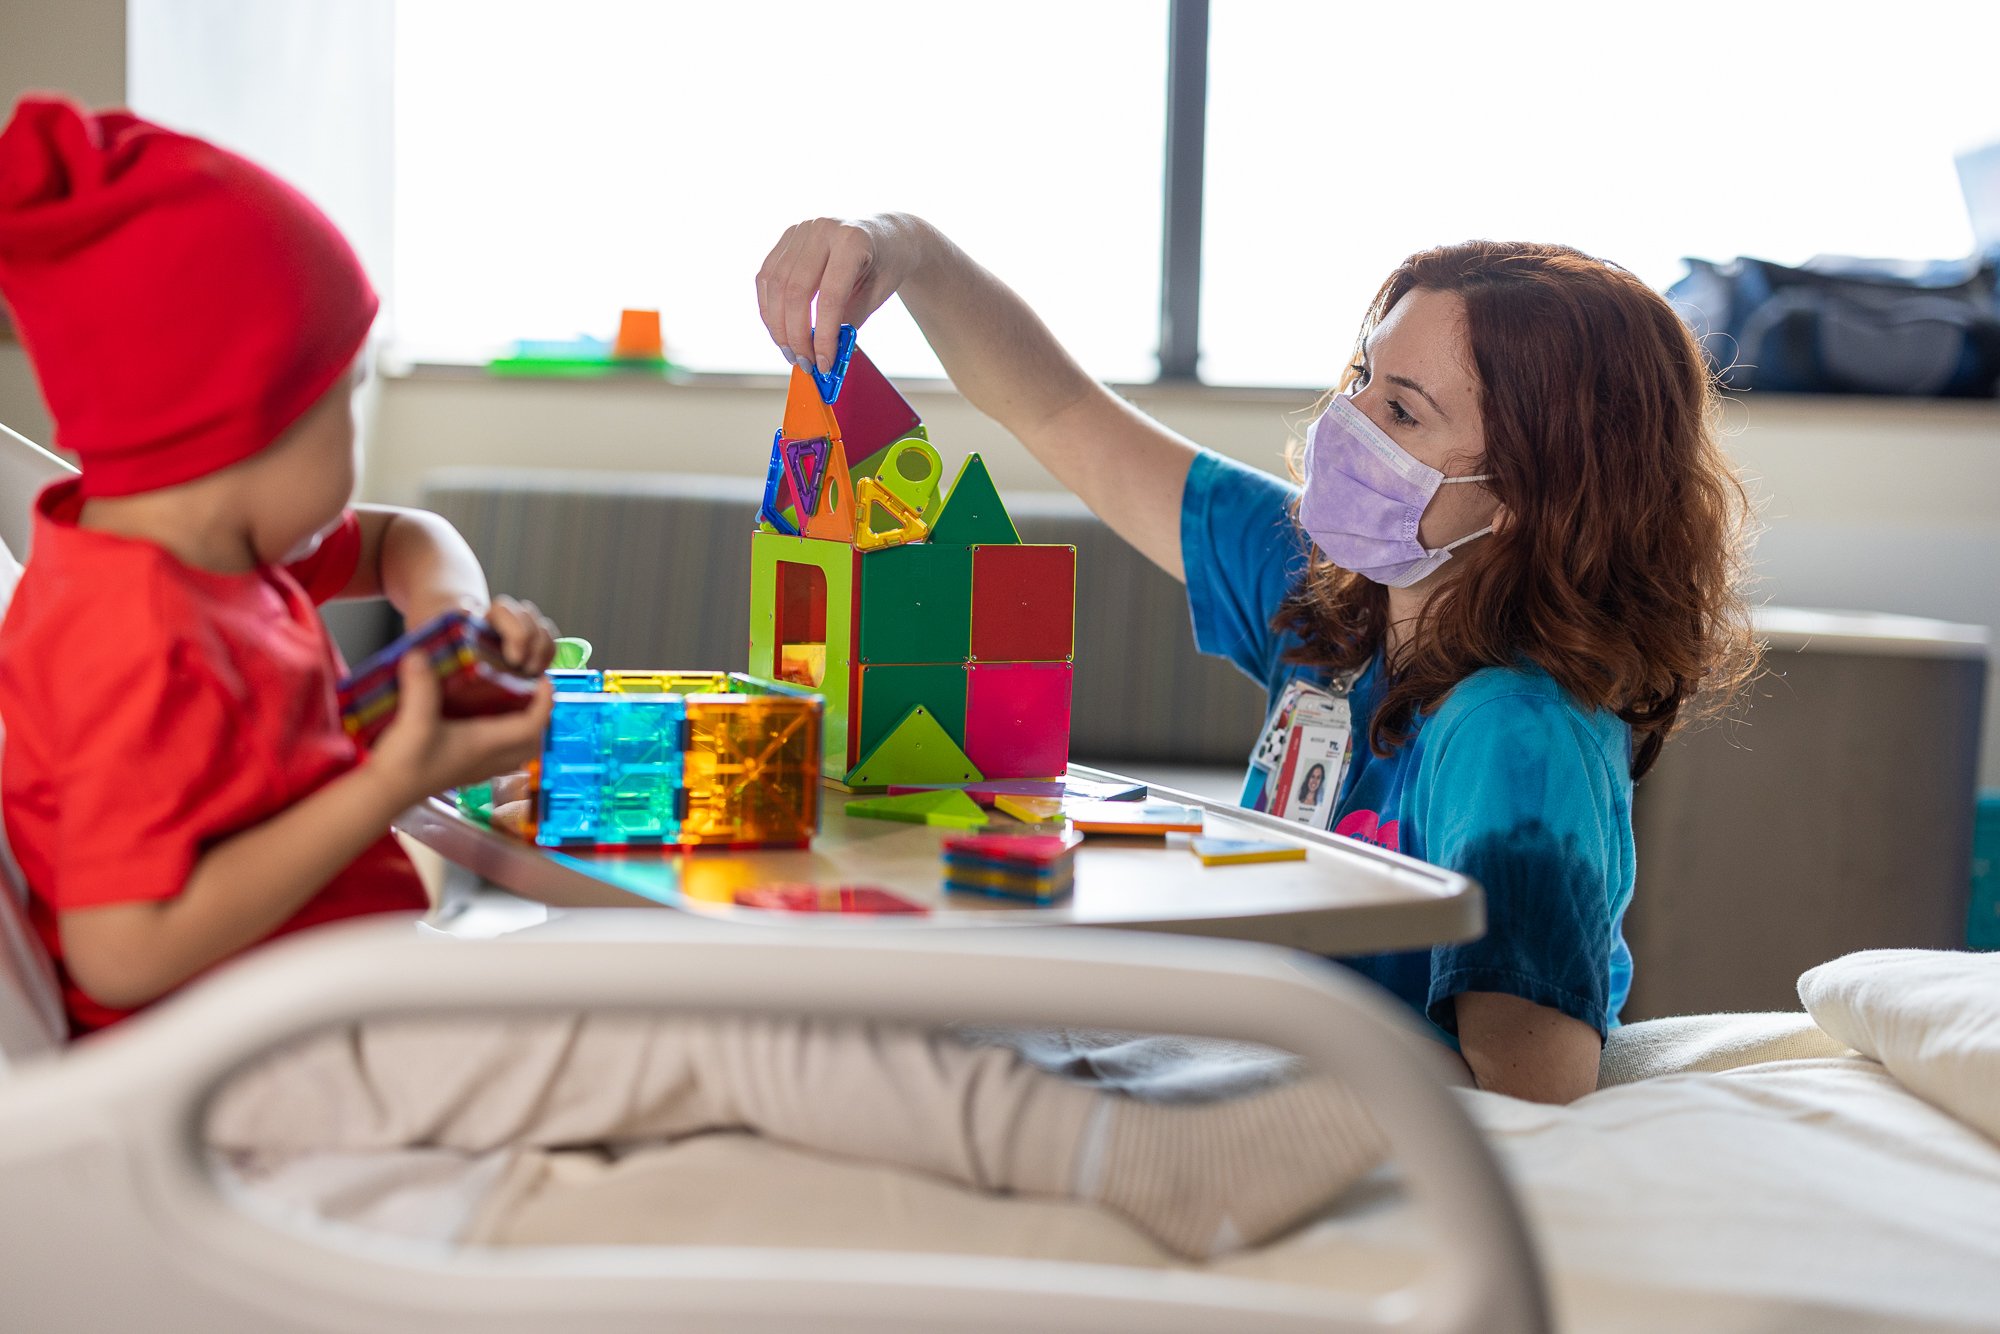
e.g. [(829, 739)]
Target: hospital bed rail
[(111, 1217)]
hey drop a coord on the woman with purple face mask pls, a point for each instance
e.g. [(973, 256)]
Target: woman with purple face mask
[(1512, 562)]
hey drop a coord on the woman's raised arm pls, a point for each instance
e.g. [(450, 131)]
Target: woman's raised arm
[(1127, 467)]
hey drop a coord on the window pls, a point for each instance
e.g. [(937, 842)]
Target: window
[(554, 164), (303, 88), (1343, 137)]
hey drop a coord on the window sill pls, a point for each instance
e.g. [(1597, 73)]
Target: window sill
[(914, 387), (1158, 391)]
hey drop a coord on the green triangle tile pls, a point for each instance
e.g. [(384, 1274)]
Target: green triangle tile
[(974, 514), (917, 750), (951, 808)]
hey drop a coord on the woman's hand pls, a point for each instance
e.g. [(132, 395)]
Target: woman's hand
[(852, 267), (527, 638), (422, 753)]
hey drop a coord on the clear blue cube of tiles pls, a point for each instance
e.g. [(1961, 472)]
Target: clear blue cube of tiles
[(612, 770)]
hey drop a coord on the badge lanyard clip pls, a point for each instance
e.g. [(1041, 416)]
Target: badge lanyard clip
[(1301, 755)]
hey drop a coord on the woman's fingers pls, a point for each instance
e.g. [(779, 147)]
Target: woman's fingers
[(795, 283), (850, 258), (770, 304)]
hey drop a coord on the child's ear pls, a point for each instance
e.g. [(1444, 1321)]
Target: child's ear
[(1503, 518)]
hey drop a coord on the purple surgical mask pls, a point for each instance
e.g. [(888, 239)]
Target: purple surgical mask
[(1364, 495)]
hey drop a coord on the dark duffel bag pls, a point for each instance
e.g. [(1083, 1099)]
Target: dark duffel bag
[(1847, 326)]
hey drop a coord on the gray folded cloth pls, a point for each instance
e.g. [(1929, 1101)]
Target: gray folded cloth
[(1152, 1067)]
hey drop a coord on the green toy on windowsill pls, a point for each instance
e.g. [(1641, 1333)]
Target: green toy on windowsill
[(476, 802)]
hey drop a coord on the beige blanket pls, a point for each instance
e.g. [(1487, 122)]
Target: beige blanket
[(1812, 1195), (1709, 1043)]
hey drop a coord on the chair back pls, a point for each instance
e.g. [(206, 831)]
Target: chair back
[(25, 468), (31, 1010)]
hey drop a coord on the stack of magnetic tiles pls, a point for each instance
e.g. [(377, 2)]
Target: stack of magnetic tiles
[(941, 643), (464, 653), (677, 760), (1038, 867)]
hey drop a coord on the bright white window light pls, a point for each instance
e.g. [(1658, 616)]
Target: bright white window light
[(1342, 137), (555, 163)]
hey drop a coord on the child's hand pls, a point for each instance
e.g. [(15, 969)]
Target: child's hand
[(425, 753), (527, 638), (513, 806)]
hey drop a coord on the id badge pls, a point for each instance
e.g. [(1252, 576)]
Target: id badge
[(1315, 760), (1301, 755)]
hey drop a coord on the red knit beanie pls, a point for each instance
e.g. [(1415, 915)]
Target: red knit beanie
[(182, 306)]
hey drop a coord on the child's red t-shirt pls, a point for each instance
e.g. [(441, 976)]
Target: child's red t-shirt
[(152, 710)]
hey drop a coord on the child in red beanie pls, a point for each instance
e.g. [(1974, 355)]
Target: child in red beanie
[(177, 784)]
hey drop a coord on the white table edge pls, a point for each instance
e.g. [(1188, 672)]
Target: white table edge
[(1451, 907)]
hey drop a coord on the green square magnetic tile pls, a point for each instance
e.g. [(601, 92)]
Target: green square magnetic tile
[(890, 690), (916, 605)]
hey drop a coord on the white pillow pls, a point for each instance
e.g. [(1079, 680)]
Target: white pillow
[(1931, 1016), (31, 1011)]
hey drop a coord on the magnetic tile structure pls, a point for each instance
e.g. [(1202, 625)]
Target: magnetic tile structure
[(941, 643), (678, 760)]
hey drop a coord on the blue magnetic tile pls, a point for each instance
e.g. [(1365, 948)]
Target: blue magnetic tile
[(767, 511), (612, 769), (829, 382)]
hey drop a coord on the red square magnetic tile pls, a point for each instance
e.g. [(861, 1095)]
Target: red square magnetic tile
[(1023, 603), (1017, 719)]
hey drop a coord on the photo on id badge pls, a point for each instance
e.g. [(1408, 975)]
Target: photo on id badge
[(1310, 778)]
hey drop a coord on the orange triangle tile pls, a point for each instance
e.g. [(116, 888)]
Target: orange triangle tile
[(806, 415), (835, 519)]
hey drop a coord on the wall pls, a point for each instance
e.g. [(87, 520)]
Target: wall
[(1876, 505), (305, 88), (76, 47), (1869, 504), (436, 416)]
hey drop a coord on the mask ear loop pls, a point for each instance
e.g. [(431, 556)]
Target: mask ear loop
[(1481, 477), (1453, 546)]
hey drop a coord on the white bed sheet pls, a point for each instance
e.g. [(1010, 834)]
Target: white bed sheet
[(1807, 1194)]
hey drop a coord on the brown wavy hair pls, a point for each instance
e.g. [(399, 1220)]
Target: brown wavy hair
[(1621, 570)]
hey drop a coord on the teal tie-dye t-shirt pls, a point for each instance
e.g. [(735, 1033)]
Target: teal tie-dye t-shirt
[(1508, 780)]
